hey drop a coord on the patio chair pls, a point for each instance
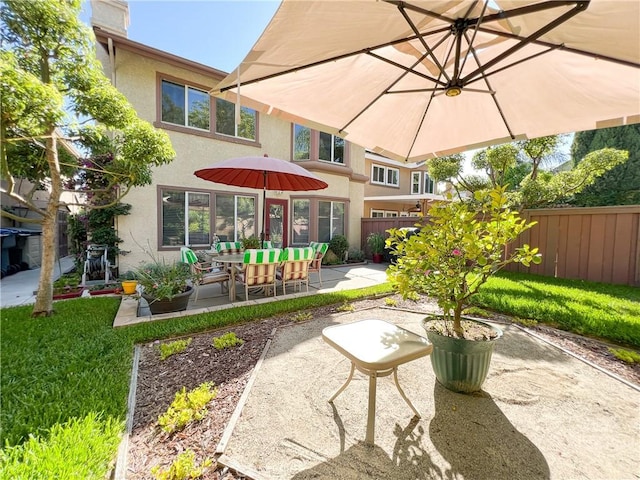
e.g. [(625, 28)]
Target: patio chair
[(316, 264), (203, 273), (229, 248), (259, 269), (295, 266)]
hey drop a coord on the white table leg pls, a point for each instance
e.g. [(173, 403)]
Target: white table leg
[(341, 389), (395, 378), (371, 411)]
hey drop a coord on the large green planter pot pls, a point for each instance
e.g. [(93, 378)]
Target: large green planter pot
[(176, 304), (460, 365)]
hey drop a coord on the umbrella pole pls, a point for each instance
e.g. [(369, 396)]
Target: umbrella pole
[(264, 208)]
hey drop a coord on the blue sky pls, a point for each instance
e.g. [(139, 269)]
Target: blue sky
[(216, 33)]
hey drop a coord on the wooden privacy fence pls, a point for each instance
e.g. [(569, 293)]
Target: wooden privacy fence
[(380, 225), (599, 244)]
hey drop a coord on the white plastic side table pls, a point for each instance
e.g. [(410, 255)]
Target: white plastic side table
[(376, 348)]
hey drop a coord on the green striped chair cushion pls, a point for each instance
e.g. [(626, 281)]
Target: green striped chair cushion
[(229, 248), (291, 254), (320, 248), (188, 256), (263, 255)]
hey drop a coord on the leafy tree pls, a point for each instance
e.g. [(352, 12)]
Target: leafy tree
[(620, 185), (517, 167), (48, 70)]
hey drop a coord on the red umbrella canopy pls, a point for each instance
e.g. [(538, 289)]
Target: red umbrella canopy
[(262, 172)]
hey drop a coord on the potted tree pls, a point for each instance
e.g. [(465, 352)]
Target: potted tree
[(463, 245), (375, 240), (165, 286)]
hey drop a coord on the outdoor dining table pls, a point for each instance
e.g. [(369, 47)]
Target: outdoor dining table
[(376, 348), (232, 262)]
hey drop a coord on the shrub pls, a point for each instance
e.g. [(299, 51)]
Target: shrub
[(355, 255), (183, 467), (339, 245), (171, 348), (627, 356), (227, 340), (330, 258), (187, 407)]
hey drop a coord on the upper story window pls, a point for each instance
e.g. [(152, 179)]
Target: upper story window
[(188, 108), (331, 148), (429, 184), (226, 120), (314, 145), (415, 183), (301, 142), (185, 105), (385, 175)]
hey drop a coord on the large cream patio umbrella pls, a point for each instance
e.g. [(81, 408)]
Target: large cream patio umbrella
[(418, 79)]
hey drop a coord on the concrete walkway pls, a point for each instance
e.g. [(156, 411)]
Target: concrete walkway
[(542, 415), (212, 298), (21, 288)]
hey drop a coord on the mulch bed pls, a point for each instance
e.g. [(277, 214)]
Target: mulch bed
[(230, 369)]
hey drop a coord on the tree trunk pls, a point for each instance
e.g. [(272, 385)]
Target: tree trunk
[(44, 297), (457, 320)]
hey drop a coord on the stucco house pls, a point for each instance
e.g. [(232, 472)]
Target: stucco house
[(180, 209), (397, 189)]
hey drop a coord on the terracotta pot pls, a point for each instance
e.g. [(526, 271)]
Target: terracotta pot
[(177, 304), (129, 286), (460, 365)]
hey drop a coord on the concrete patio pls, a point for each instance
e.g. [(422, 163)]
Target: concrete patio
[(543, 414), (212, 298)]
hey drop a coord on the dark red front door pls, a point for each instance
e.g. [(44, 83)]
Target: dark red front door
[(277, 224)]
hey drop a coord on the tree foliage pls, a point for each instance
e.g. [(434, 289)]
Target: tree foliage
[(517, 168), (49, 77), (620, 185)]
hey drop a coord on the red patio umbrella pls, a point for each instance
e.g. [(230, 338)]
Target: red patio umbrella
[(267, 173)]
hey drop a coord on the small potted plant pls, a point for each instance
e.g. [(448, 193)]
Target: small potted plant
[(463, 245), (375, 240), (129, 283), (165, 286), (251, 242)]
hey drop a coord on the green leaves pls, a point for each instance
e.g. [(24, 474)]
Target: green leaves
[(462, 246)]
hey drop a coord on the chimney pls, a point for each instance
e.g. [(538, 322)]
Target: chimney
[(111, 16)]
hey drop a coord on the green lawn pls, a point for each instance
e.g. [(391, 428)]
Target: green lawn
[(611, 312), (65, 379)]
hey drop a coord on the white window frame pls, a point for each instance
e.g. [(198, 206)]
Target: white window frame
[(390, 213), (416, 183), (387, 172), (375, 213)]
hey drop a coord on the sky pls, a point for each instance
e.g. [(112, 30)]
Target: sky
[(218, 34)]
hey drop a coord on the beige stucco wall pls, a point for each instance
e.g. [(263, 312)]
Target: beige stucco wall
[(136, 78)]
